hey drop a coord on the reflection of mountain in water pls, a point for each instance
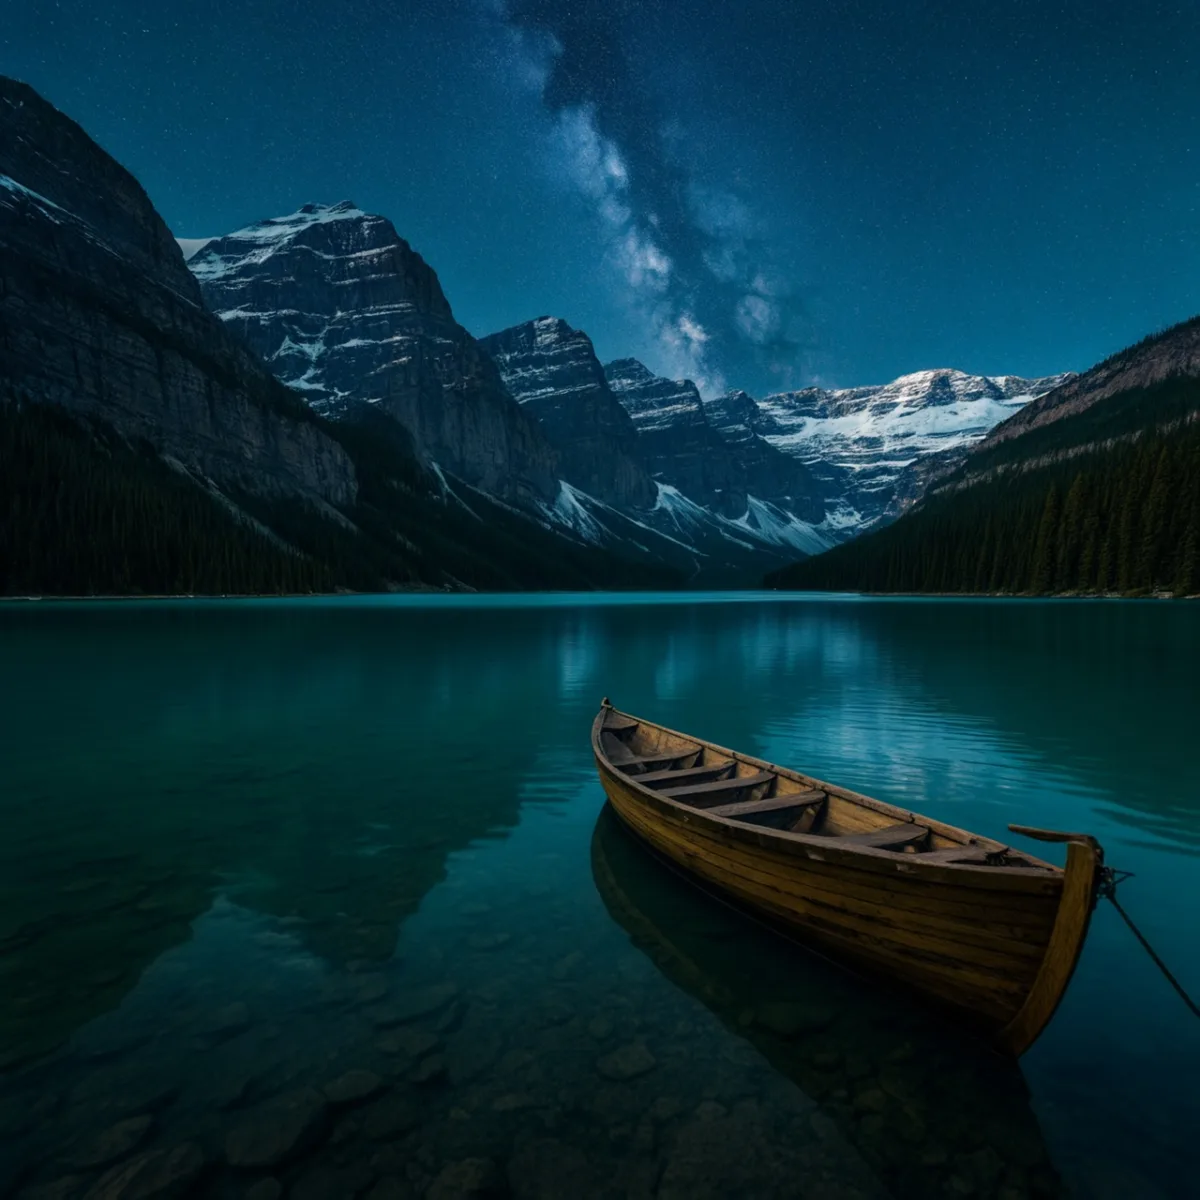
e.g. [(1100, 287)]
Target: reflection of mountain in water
[(311, 767), (1102, 692), (929, 1109)]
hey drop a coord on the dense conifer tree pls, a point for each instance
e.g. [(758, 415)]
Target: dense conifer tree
[(84, 512)]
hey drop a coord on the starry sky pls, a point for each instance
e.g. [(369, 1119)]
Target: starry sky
[(755, 193)]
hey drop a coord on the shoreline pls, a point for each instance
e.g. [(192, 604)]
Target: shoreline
[(53, 598)]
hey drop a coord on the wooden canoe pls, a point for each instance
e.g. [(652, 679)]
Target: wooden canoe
[(990, 931), (827, 1033)]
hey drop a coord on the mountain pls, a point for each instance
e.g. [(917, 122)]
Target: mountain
[(1173, 353), (641, 457), (772, 475), (347, 314), (869, 446), (680, 447), (145, 448), (1094, 488), (99, 315), (355, 322), (552, 371)]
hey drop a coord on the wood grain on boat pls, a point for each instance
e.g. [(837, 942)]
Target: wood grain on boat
[(991, 931)]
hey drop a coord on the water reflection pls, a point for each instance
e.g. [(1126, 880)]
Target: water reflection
[(211, 805), (929, 1109), (322, 776)]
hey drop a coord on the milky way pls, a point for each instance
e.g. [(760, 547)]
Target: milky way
[(760, 194)]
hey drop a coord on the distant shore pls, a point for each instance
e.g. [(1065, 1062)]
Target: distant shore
[(429, 590), (406, 590)]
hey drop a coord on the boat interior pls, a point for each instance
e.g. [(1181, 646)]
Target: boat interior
[(724, 785)]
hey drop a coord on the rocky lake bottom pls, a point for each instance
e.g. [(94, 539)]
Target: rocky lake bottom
[(326, 903)]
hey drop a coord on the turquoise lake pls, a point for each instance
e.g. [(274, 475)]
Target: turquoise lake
[(320, 898)]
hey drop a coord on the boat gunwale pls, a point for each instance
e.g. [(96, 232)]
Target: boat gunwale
[(876, 860)]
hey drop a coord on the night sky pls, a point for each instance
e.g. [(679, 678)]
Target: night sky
[(760, 193)]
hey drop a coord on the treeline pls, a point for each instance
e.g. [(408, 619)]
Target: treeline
[(1121, 519), (84, 513)]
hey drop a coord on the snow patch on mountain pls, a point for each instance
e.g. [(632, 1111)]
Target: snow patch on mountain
[(769, 523), (191, 246), (862, 443), (48, 207), (890, 425), (569, 510), (255, 244)]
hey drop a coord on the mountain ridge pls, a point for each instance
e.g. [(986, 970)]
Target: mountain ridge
[(869, 445), (1097, 492), (101, 316), (1174, 351), (346, 312), (551, 369), (147, 448)]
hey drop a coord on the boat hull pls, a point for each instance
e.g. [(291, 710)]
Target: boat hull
[(998, 946)]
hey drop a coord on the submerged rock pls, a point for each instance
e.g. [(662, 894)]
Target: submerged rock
[(391, 1187), (429, 1070), (563, 968), (790, 1019), (389, 1117), (469, 1179), (468, 1059), (488, 941), (547, 1169), (450, 1018), (627, 1062), (113, 1143), (600, 1027), (332, 1183), (353, 1087), (414, 1005), (265, 1189), (412, 1043), (226, 1022), (371, 990), (664, 1108), (277, 1130), (66, 1188), (155, 1175)]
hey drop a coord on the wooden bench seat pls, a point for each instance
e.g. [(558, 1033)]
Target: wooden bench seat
[(690, 774), (964, 854), (653, 760), (893, 837), (702, 791), (748, 809)]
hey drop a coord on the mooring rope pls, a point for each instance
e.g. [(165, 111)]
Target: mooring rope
[(1108, 889)]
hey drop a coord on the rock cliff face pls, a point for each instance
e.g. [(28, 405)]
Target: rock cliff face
[(99, 315), (769, 474), (345, 312), (865, 445), (680, 447), (553, 371)]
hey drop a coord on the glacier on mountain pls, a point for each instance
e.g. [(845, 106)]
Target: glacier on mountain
[(866, 444)]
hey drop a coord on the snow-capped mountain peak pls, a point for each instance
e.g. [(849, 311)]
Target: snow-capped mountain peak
[(862, 440), (348, 314)]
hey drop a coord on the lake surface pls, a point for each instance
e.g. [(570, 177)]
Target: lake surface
[(324, 892)]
